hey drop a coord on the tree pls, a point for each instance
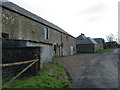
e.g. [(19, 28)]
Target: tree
[(110, 38)]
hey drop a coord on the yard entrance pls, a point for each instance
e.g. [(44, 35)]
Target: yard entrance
[(92, 70)]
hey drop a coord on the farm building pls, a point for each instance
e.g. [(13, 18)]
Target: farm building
[(100, 42), (87, 45), (23, 28), (112, 44), (80, 37)]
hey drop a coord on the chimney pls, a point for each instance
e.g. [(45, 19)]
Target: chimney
[(82, 34)]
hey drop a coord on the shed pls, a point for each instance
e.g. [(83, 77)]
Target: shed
[(87, 45), (100, 42)]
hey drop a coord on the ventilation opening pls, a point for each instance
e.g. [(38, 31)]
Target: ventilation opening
[(5, 36), (55, 49)]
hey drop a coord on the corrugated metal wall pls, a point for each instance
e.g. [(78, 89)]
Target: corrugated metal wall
[(85, 48), (46, 49), (46, 54)]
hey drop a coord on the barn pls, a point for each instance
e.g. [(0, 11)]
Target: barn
[(21, 27), (100, 42), (87, 45)]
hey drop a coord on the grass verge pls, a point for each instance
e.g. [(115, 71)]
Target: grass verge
[(105, 50), (52, 75)]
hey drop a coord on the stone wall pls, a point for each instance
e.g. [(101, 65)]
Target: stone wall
[(20, 27)]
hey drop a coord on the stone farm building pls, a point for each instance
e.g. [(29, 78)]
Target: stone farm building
[(100, 42), (23, 28)]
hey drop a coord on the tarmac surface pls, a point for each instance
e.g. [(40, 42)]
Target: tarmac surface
[(92, 70)]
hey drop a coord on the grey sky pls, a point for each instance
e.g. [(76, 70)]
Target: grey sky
[(95, 9), (94, 18)]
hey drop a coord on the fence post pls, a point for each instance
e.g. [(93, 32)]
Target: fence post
[(36, 65)]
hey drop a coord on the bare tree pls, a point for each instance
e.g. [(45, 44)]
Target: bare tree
[(110, 38)]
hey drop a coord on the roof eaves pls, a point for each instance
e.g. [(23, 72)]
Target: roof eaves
[(14, 7)]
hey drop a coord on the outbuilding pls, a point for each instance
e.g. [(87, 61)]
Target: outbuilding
[(87, 45), (23, 28), (100, 42)]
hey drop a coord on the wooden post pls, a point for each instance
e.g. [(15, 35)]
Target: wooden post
[(37, 65)]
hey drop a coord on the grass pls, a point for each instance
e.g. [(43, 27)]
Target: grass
[(52, 75), (105, 50)]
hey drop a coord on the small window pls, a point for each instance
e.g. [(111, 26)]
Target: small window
[(61, 44), (46, 33), (67, 38), (55, 49), (5, 36)]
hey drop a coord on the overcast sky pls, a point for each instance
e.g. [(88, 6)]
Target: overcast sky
[(94, 18)]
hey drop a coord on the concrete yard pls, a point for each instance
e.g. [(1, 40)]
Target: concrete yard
[(92, 70)]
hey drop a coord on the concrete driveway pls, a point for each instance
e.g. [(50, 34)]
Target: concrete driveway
[(92, 70)]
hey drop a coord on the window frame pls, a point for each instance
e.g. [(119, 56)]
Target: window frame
[(46, 33), (67, 38)]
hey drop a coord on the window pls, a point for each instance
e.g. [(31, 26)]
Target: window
[(5, 36), (46, 33), (67, 38), (61, 44), (55, 49)]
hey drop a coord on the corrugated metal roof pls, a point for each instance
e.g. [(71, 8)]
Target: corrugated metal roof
[(87, 41), (98, 40), (18, 9), (80, 37)]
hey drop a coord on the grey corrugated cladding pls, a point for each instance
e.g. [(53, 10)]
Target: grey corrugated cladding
[(87, 41), (16, 8)]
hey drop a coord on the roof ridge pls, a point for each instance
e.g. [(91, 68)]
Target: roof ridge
[(22, 11)]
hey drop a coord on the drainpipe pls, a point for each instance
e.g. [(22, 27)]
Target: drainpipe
[(61, 45)]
